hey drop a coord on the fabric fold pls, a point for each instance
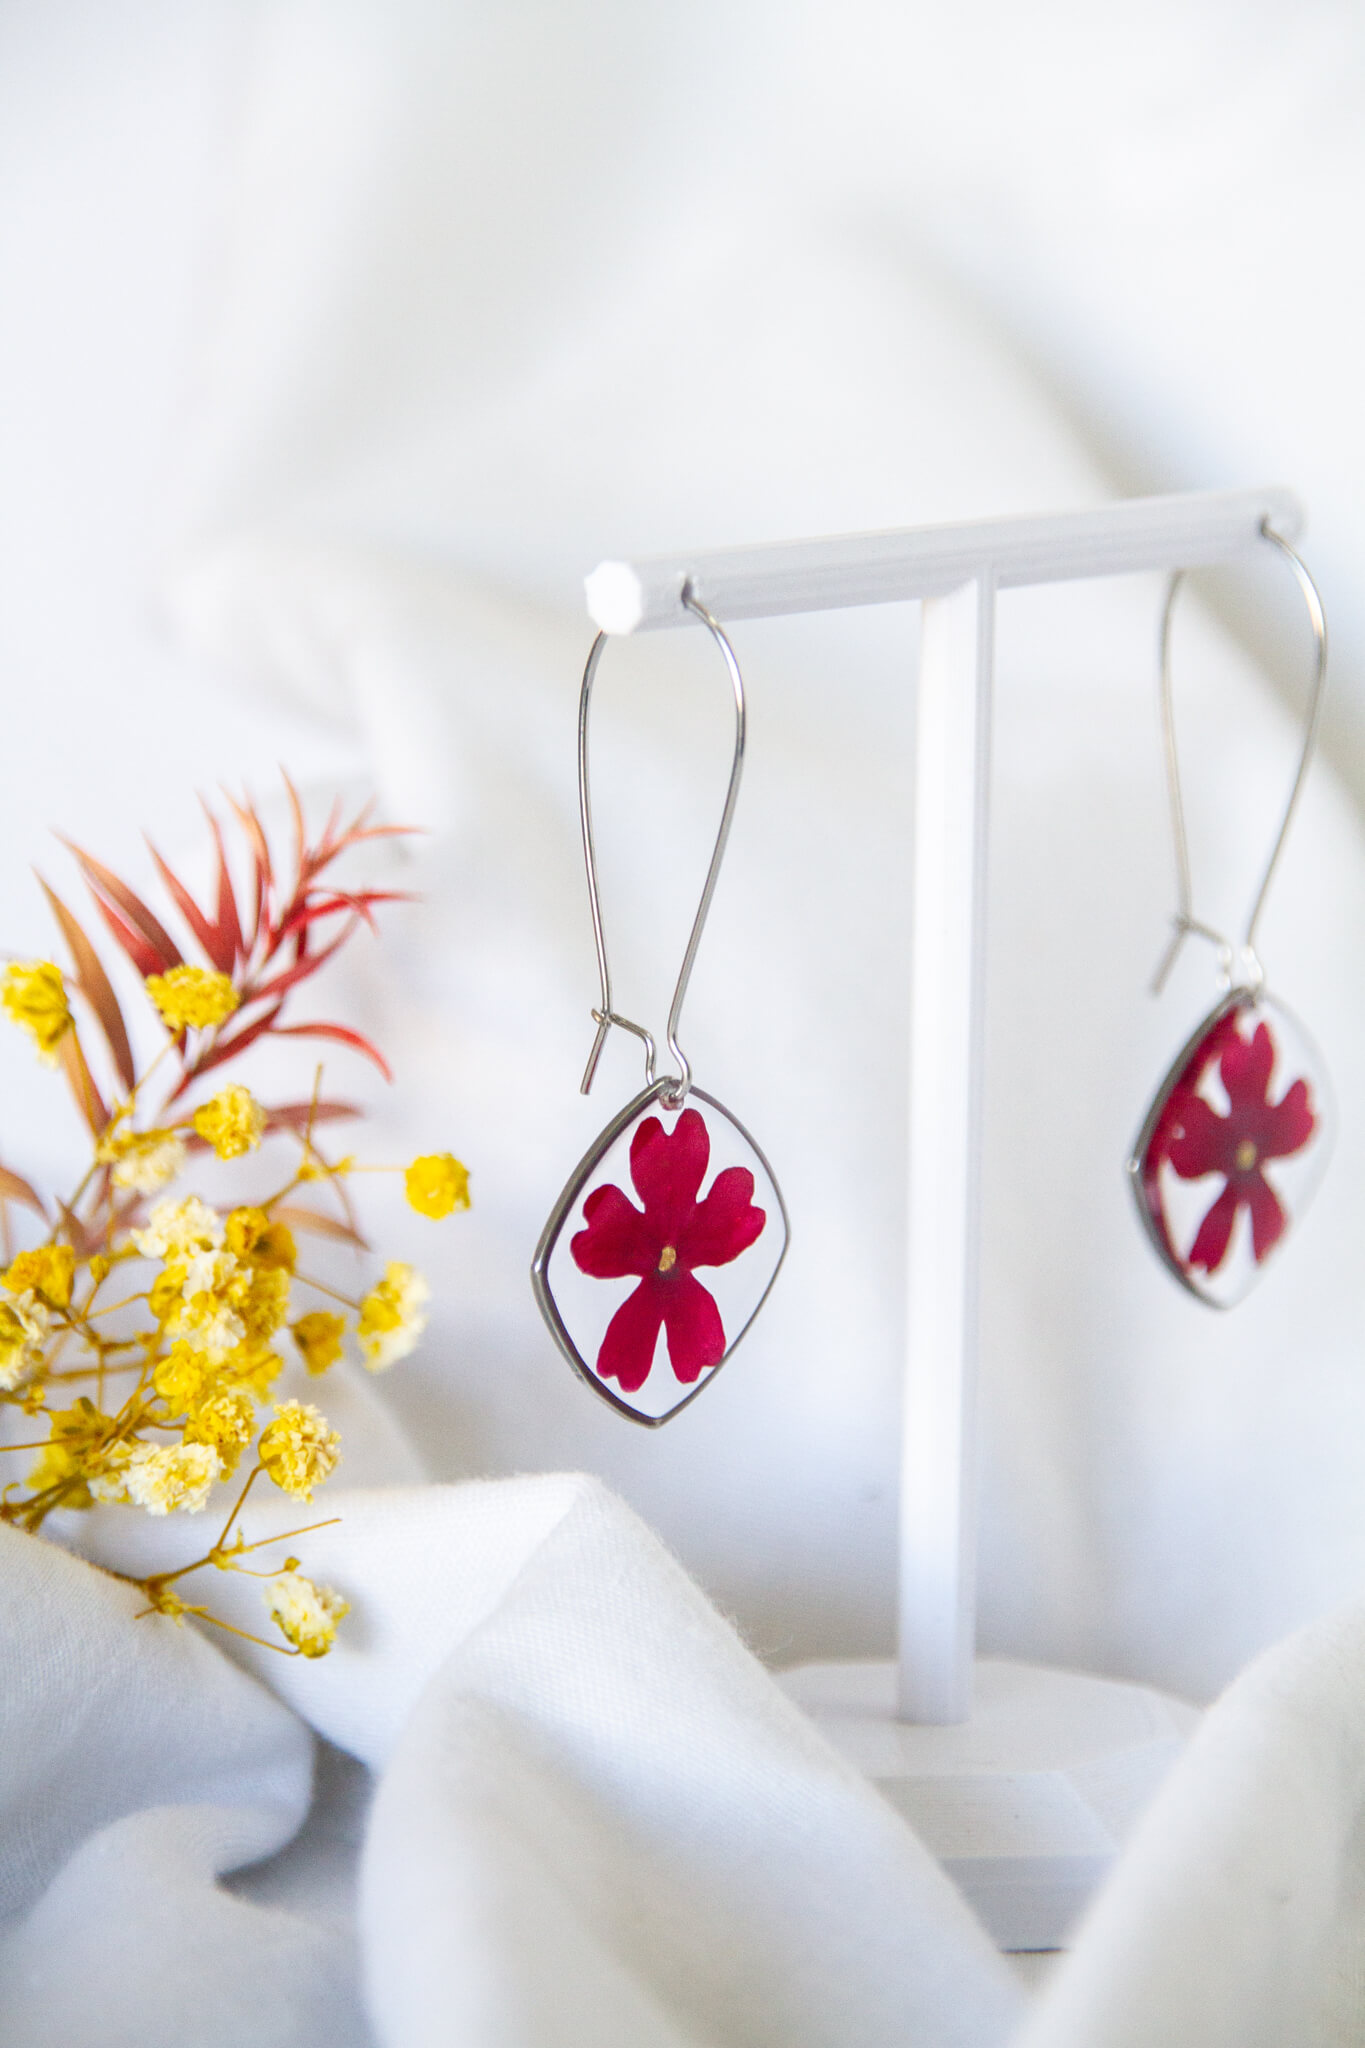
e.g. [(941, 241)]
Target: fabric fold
[(137, 1766), (1236, 1918)]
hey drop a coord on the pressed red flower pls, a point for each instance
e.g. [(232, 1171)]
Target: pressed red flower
[(1198, 1140), (662, 1245)]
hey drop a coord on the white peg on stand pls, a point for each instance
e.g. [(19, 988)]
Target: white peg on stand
[(1023, 1780)]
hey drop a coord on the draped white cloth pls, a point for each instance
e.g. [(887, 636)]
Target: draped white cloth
[(560, 1804), (340, 342)]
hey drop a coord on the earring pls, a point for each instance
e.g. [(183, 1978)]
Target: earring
[(1237, 1139), (618, 1284)]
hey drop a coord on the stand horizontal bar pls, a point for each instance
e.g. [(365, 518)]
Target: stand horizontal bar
[(886, 568)]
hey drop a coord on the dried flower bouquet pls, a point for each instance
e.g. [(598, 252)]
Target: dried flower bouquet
[(142, 1329)]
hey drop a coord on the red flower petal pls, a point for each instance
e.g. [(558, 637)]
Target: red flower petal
[(696, 1336), (627, 1351), (1210, 1247), (1287, 1125), (1267, 1216), (660, 1247), (1204, 1141), (618, 1240), (667, 1171), (725, 1224), (1246, 1068)]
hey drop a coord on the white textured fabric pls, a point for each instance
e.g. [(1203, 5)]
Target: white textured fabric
[(1238, 1915), (341, 339), (597, 1820)]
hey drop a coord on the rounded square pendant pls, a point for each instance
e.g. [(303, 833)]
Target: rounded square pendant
[(1233, 1147), (660, 1252)]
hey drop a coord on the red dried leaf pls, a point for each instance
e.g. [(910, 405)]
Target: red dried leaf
[(260, 853), (297, 1116), (81, 1240), (206, 933), (226, 1049), (358, 901), (307, 964), (358, 834), (342, 1036), (93, 984), (229, 924), (320, 1225), (105, 884), (296, 811), (88, 1099), (14, 1188), (132, 942)]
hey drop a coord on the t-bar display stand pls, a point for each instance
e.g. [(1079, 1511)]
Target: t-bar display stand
[(1025, 1790)]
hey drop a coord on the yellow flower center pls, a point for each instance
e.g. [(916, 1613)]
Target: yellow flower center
[(668, 1259), (1245, 1156)]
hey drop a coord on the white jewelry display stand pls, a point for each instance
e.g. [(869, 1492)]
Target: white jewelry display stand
[(1022, 1780)]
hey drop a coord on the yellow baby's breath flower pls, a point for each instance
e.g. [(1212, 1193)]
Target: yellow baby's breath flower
[(318, 1336), (298, 1449), (182, 1377), (34, 994), (162, 1477), (226, 1422), (176, 1230), (264, 1303), (192, 996), (23, 1328), (306, 1614), (107, 1475), (232, 1122), (49, 1271), (258, 1240), (255, 1370), (210, 1325), (142, 1160), (437, 1183), (391, 1319), (59, 1464), (163, 1298)]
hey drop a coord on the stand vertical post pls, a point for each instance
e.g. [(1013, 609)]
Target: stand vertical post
[(938, 1490)]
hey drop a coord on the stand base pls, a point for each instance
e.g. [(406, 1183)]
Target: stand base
[(1026, 1805)]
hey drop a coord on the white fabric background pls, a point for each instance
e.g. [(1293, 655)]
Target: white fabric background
[(340, 340)]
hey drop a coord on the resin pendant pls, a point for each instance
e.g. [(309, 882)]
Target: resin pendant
[(648, 1283), (1233, 1147)]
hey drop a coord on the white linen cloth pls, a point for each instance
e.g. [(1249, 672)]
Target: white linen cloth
[(597, 1823), (358, 333), (597, 1820)]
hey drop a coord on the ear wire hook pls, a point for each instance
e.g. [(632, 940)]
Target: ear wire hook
[(605, 1016), (1184, 920)]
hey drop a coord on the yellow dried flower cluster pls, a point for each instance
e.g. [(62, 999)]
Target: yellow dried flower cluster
[(319, 1337), (298, 1450), (233, 1122), (144, 1161), (391, 1319), (34, 995), (49, 1271), (436, 1184), (157, 1315), (307, 1614), (192, 997)]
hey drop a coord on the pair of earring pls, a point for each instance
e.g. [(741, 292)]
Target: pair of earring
[(1228, 1156)]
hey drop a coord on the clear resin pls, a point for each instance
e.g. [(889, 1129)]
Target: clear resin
[(660, 1252), (1233, 1146)]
